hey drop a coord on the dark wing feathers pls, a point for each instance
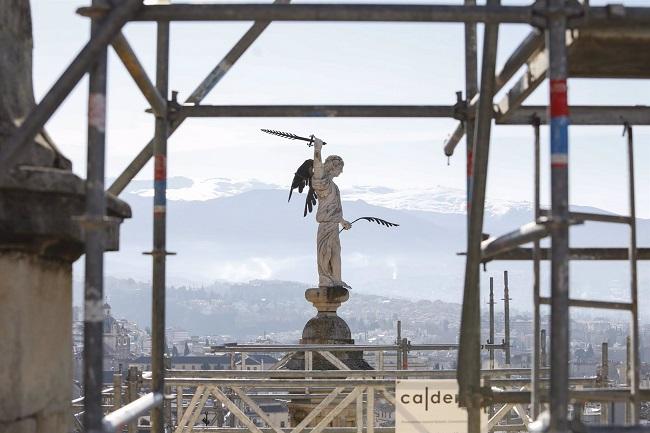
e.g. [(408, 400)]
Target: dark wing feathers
[(310, 201), (301, 179)]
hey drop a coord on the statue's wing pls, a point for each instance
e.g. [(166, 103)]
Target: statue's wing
[(302, 177), (310, 201)]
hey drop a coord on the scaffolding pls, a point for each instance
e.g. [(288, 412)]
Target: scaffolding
[(616, 31)]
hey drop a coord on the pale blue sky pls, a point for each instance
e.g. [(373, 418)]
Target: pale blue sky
[(331, 63)]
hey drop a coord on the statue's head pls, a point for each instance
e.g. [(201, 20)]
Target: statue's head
[(333, 165)]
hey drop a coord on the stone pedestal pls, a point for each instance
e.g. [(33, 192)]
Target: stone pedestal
[(39, 240), (325, 328)]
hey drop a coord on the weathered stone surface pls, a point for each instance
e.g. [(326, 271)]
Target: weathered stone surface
[(39, 210), (326, 329), (327, 299), (16, 89), (41, 234), (35, 323)]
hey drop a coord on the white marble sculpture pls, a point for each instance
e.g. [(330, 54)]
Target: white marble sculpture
[(328, 215), (319, 177)]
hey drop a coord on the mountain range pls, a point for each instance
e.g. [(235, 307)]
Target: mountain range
[(224, 230), (244, 311)]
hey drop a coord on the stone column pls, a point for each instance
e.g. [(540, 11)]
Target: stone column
[(40, 238)]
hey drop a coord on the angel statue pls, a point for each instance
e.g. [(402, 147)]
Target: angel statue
[(323, 191), (319, 177)]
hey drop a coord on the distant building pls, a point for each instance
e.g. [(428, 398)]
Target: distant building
[(117, 342), (255, 362)]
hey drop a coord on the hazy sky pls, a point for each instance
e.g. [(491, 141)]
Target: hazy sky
[(329, 63)]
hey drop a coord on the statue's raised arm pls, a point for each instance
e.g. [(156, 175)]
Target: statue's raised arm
[(318, 161)]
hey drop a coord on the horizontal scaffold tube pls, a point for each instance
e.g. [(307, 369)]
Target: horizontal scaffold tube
[(316, 111), (575, 254), (319, 374), (580, 115), (262, 348), (331, 12), (285, 383), (581, 395), (131, 411), (527, 233)]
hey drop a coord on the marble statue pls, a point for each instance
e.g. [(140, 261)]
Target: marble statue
[(319, 177), (328, 215)]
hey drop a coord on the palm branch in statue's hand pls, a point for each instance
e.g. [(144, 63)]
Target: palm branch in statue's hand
[(375, 220), (291, 136), (301, 179)]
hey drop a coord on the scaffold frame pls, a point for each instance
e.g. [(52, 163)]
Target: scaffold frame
[(550, 19)]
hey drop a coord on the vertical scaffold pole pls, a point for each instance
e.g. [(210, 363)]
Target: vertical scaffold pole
[(398, 343), (535, 408), (604, 373), (634, 372), (506, 318), (94, 242), (491, 340), (559, 110), (471, 89), (469, 355), (159, 228)]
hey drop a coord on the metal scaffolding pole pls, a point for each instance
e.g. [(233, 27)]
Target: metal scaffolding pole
[(94, 221), (139, 75), (581, 115), (604, 373), (527, 47), (185, 111), (556, 43), (491, 340), (535, 408), (469, 357), (471, 89), (506, 319), (575, 254), (634, 328), (159, 251), (489, 13)]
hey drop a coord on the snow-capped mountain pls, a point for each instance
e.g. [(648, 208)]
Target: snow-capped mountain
[(438, 198), (243, 230)]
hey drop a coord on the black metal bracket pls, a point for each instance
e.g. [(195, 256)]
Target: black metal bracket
[(173, 107), (460, 107)]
